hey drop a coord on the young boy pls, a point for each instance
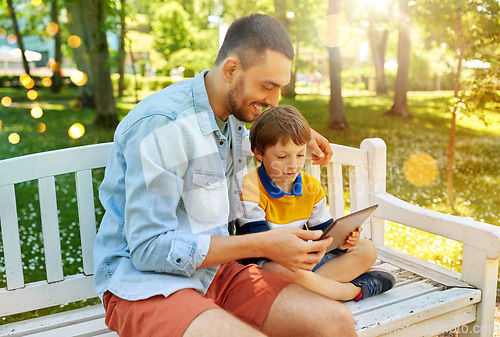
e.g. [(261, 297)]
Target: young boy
[(278, 193)]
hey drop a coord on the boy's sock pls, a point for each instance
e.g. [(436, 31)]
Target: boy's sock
[(358, 297)]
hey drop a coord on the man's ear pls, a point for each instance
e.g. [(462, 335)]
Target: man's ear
[(230, 68)]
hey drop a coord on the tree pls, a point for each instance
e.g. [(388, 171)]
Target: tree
[(468, 28), (56, 77), (81, 55), (378, 34), (336, 106), (121, 42), (400, 107), (106, 113), (12, 14)]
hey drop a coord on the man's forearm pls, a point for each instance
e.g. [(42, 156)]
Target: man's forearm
[(224, 249)]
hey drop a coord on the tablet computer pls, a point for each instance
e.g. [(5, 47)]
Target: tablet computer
[(342, 227)]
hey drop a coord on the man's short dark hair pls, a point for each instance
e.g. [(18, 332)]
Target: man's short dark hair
[(249, 36)]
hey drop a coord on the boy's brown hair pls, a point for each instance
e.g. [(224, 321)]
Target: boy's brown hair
[(281, 124)]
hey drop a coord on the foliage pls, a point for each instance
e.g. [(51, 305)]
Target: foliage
[(477, 166)]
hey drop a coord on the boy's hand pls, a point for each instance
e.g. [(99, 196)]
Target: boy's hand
[(321, 152), (352, 240), (289, 247)]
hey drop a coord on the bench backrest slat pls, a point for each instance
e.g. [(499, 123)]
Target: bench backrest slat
[(50, 229), (86, 214), (335, 190), (10, 238)]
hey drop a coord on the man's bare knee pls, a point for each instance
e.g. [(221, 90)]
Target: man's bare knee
[(219, 323)]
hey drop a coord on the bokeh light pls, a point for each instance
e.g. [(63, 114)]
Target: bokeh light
[(52, 28), (36, 3), (420, 169), (46, 82), (55, 66), (74, 41), (3, 33), (14, 138), (75, 104), (79, 78), (32, 95), (6, 101), (334, 31), (76, 131), (27, 81), (41, 127), (0, 123), (11, 38), (36, 112)]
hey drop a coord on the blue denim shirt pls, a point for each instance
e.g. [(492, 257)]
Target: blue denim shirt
[(165, 194)]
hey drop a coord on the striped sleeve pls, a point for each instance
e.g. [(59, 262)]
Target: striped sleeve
[(251, 217)]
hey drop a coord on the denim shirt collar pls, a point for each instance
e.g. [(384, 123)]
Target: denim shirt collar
[(273, 190), (202, 106)]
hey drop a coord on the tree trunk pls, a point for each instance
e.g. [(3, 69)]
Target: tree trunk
[(106, 114), (453, 129), (400, 107), (12, 14), (76, 26), (56, 77), (280, 10), (121, 62), (337, 113)]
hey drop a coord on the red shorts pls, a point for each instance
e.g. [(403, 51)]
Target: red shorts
[(247, 292)]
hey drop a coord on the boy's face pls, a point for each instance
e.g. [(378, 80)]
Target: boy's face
[(283, 163)]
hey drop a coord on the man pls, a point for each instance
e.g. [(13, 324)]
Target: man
[(164, 262)]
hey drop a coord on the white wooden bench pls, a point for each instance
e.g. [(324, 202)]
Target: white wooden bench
[(426, 301)]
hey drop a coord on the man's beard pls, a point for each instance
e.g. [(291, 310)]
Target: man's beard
[(235, 104)]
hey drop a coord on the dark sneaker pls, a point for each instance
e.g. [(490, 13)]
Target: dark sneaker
[(373, 282)]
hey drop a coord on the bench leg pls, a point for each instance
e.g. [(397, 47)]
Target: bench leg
[(481, 272)]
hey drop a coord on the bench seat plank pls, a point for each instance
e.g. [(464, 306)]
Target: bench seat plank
[(458, 302), (87, 321)]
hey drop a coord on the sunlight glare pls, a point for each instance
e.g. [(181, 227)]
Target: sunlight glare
[(14, 138), (6, 101), (420, 169), (75, 104), (46, 82), (52, 28), (74, 41), (79, 78), (11, 38), (41, 127), (36, 3), (32, 95), (76, 131), (3, 33), (36, 112), (334, 31)]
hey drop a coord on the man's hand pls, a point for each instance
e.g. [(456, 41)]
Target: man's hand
[(352, 240), (289, 247), (321, 152)]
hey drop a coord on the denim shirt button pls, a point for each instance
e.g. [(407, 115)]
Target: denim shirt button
[(239, 160), (209, 183), (221, 142), (178, 260), (239, 128)]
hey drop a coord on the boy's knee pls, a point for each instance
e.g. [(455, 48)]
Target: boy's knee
[(368, 250)]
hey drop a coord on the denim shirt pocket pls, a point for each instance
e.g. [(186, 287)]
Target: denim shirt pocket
[(206, 201)]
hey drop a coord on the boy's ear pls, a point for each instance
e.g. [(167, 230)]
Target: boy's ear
[(258, 154)]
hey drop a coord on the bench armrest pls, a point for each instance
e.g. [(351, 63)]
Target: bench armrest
[(472, 233)]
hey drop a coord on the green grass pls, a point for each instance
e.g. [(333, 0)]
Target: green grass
[(477, 166)]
